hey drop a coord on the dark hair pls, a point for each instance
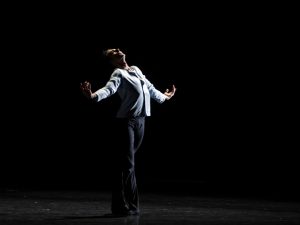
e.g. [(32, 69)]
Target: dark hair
[(104, 52), (105, 57)]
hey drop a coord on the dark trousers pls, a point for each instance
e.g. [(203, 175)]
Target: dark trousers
[(125, 193)]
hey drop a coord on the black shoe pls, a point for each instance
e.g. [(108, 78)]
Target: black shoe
[(125, 213), (133, 213)]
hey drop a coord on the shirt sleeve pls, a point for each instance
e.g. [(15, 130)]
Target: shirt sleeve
[(154, 93), (111, 86)]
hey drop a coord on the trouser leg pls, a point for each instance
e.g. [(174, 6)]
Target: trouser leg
[(125, 192), (135, 137)]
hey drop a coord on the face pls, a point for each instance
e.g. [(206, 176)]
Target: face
[(114, 54)]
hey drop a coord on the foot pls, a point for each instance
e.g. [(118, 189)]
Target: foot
[(125, 213), (133, 213)]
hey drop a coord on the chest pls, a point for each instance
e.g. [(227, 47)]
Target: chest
[(134, 79)]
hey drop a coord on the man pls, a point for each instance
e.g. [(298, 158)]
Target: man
[(135, 92)]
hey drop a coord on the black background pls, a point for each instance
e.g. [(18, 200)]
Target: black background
[(231, 124)]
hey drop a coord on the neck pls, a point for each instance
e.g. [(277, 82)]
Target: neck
[(123, 65)]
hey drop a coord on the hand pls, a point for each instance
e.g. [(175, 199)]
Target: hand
[(86, 89), (170, 94)]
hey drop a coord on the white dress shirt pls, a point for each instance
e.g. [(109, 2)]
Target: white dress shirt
[(135, 91)]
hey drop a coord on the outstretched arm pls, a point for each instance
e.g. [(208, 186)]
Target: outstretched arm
[(154, 93), (109, 89), (86, 89), (171, 93)]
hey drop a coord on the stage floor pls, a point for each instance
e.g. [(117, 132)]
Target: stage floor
[(65, 207)]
